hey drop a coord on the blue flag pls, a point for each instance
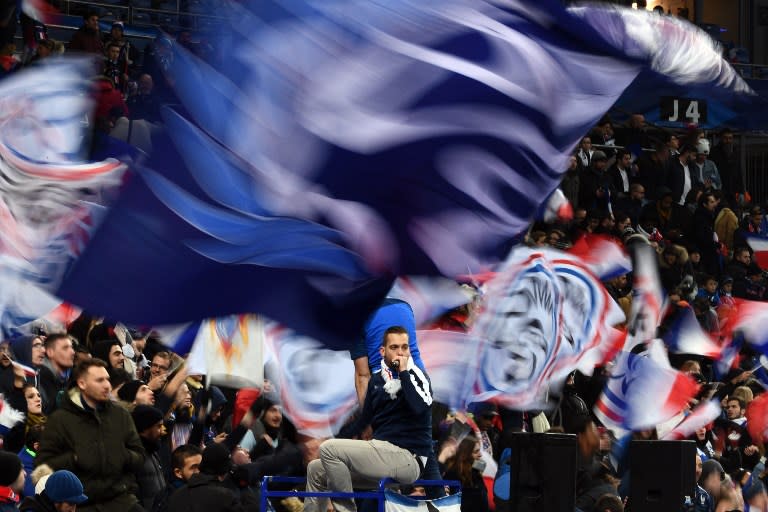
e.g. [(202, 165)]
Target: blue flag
[(338, 142)]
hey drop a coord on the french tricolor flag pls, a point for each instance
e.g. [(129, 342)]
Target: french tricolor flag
[(760, 247), (28, 370), (757, 418), (751, 319), (701, 416), (687, 337), (603, 256), (642, 393)]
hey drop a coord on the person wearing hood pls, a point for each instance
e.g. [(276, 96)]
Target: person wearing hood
[(30, 351), (111, 352), (150, 478), (211, 429)]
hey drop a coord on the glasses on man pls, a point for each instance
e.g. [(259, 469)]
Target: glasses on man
[(159, 367)]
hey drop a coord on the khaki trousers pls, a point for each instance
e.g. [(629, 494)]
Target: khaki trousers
[(348, 463)]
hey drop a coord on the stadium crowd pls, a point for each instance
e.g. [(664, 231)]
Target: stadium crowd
[(113, 421)]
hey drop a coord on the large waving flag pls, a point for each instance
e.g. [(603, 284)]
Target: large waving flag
[(444, 128), (544, 314), (701, 416)]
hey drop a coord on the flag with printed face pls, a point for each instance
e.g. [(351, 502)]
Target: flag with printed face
[(544, 314)]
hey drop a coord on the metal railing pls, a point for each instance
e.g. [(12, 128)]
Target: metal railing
[(752, 71), (141, 16), (754, 163), (376, 494)]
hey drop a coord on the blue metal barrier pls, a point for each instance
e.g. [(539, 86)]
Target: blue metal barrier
[(377, 494)]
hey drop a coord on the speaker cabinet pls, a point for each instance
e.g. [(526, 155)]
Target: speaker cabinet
[(542, 472), (662, 475)]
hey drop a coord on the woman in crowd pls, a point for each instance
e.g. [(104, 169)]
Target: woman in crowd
[(465, 467)]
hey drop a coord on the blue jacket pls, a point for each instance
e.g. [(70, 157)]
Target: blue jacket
[(405, 421)]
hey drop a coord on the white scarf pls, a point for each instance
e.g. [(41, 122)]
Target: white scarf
[(391, 385)]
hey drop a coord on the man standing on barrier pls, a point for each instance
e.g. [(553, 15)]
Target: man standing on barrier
[(398, 406)]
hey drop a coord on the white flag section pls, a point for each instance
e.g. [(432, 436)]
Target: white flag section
[(315, 384), (394, 502), (229, 350)]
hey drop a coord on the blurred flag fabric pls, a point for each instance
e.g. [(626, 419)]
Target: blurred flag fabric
[(314, 383), (50, 193), (229, 350), (430, 297), (685, 336), (543, 315), (701, 416), (444, 127), (642, 391)]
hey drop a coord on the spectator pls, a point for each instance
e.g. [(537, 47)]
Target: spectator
[(704, 234), (136, 393), (399, 409), (712, 475), (111, 352), (205, 490), (621, 173), (735, 442), (185, 462), (705, 169), (584, 155), (595, 183), (128, 55), (54, 376), (703, 501), (708, 290), (668, 217), (466, 466), (570, 183), (680, 179), (86, 38), (63, 492), (144, 104), (726, 157), (11, 481), (652, 170), (113, 68), (87, 416), (150, 479)]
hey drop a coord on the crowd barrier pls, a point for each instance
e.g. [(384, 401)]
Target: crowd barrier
[(379, 494)]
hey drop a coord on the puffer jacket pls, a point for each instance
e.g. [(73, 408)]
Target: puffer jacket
[(100, 446)]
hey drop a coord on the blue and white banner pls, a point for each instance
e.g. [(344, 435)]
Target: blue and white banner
[(394, 502)]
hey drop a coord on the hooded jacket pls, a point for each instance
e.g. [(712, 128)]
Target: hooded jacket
[(100, 446)]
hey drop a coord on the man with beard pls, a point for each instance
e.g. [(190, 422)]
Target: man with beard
[(149, 425), (96, 440)]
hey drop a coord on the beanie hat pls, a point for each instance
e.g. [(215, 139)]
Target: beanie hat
[(216, 460), (119, 24), (10, 467), (64, 486), (145, 416), (128, 391)]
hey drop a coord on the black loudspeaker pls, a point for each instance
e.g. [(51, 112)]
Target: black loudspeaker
[(542, 472), (662, 475)]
